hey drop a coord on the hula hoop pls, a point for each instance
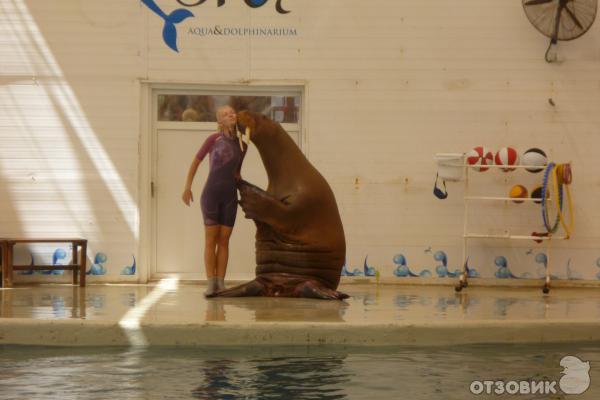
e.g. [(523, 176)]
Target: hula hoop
[(565, 176), (551, 168)]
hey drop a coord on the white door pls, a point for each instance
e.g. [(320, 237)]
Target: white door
[(178, 230)]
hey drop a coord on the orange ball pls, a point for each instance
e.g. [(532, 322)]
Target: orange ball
[(518, 192)]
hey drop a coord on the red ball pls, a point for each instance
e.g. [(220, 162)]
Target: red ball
[(507, 156), (480, 156)]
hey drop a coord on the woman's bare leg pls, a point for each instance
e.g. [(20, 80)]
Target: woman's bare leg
[(211, 238), (223, 253)]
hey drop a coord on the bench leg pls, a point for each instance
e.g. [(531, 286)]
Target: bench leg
[(74, 262), (82, 265), (7, 262), (4, 265)]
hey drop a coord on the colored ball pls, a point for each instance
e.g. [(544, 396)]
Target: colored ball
[(518, 192), (536, 193), (534, 156), (480, 156), (507, 156)]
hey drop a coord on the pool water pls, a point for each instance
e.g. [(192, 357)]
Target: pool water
[(283, 372)]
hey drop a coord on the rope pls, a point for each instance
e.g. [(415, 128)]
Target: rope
[(561, 177)]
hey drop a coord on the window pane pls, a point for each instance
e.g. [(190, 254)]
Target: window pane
[(203, 108)]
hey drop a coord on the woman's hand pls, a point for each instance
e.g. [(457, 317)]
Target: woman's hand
[(187, 196)]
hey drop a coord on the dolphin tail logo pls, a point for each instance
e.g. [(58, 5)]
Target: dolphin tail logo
[(169, 30)]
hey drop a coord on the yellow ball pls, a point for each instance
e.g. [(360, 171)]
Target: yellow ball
[(518, 192)]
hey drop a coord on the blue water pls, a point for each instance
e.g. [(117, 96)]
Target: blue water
[(280, 373)]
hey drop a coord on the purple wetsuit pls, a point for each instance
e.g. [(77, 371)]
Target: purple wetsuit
[(219, 198)]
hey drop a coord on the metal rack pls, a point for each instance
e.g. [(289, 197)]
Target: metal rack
[(464, 276)]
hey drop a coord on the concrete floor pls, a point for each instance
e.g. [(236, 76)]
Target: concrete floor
[(373, 315)]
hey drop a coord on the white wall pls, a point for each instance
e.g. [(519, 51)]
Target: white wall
[(388, 84), (69, 125)]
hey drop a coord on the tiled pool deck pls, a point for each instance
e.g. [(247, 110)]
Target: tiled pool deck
[(101, 315)]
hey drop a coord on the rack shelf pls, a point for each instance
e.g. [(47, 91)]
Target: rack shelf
[(498, 166), (515, 199), (513, 237), (507, 235)]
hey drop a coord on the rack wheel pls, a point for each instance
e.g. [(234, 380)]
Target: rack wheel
[(546, 289), (458, 287)]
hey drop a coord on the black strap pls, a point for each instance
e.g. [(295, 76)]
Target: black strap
[(437, 192)]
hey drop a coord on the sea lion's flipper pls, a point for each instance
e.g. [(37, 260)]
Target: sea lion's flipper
[(248, 289), (263, 207), (314, 290)]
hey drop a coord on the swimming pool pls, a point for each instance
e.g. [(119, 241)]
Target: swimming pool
[(282, 372)]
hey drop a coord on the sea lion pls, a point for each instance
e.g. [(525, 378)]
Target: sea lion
[(300, 243)]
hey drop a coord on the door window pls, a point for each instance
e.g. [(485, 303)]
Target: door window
[(202, 108)]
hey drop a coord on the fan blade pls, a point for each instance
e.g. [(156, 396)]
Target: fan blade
[(573, 17), (536, 2)]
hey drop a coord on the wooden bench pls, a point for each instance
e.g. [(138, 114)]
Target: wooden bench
[(77, 263)]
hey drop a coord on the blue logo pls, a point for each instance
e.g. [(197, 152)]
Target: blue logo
[(250, 3), (169, 30), (179, 15)]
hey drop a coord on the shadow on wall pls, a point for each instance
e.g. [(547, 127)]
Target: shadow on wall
[(73, 183)]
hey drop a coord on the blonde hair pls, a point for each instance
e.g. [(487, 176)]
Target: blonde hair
[(219, 113)]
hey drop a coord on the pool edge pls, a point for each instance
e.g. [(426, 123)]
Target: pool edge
[(68, 332)]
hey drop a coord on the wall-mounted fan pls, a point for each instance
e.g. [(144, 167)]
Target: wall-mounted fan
[(561, 19)]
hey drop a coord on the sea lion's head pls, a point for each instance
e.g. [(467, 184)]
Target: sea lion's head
[(252, 126)]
